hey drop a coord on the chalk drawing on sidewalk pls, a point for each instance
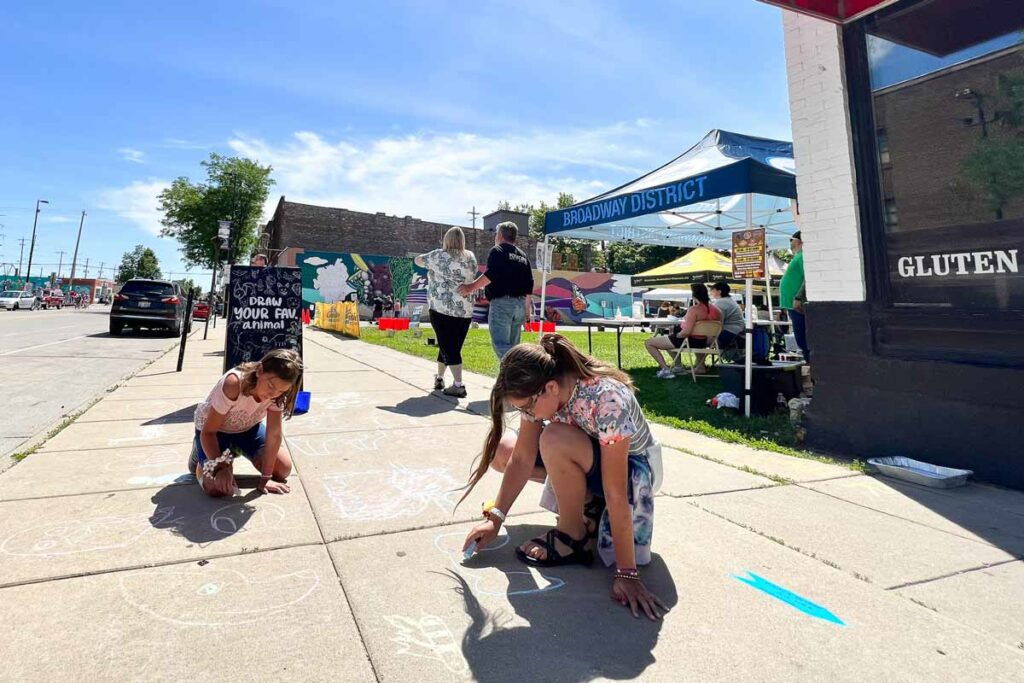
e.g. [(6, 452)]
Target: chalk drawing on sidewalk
[(428, 638), (215, 597), (86, 535), (323, 445), (147, 433), (237, 517), (155, 458), (529, 581), (161, 480), (397, 491), (795, 601)]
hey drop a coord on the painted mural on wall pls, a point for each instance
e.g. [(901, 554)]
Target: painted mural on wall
[(328, 277), (18, 283), (572, 295)]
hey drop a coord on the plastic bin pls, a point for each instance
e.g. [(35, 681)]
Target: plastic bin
[(766, 383), (536, 326), (393, 323)]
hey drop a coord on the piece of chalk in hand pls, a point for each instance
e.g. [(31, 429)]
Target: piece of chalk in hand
[(469, 551)]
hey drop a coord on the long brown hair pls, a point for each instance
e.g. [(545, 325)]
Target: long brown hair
[(284, 364), (525, 369)]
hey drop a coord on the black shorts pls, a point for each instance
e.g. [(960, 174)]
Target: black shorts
[(594, 482), (695, 342)]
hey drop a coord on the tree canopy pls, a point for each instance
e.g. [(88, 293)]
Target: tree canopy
[(235, 190), (139, 262)]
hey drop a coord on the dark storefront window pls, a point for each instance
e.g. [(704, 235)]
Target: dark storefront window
[(946, 81)]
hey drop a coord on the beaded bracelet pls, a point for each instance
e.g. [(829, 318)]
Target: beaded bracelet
[(629, 574)]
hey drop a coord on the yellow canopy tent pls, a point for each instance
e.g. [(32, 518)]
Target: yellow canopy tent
[(700, 265)]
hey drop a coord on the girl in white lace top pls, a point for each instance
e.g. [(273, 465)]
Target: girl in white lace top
[(230, 422)]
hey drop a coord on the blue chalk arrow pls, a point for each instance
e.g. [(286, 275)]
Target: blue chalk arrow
[(790, 598)]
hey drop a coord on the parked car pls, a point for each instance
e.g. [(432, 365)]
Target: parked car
[(14, 300), (153, 304), (201, 311), (53, 298)]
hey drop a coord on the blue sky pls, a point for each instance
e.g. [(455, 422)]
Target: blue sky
[(413, 108)]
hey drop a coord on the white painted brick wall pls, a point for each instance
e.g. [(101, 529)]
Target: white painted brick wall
[(822, 146)]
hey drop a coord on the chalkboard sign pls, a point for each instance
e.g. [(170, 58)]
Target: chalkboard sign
[(264, 313)]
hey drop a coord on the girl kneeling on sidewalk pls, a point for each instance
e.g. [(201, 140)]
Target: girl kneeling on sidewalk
[(230, 421), (581, 429)]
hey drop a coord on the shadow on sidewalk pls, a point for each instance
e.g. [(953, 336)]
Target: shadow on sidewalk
[(199, 518), (992, 513), (421, 406), (575, 633), (179, 416)]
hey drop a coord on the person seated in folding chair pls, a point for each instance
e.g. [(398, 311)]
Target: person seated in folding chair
[(732, 317), (700, 310)]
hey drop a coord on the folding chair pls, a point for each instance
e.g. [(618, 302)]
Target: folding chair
[(709, 329)]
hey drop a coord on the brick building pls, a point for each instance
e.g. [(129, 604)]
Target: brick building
[(296, 228), (912, 214)]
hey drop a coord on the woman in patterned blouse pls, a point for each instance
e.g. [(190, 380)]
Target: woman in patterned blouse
[(450, 313), (584, 434)]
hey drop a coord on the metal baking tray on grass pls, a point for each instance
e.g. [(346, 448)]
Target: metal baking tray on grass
[(918, 472)]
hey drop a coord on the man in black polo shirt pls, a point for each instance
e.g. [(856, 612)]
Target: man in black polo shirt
[(509, 285)]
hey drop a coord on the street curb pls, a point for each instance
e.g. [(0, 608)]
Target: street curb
[(36, 441)]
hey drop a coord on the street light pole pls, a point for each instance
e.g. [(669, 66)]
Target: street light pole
[(74, 259), (32, 247), (219, 242)]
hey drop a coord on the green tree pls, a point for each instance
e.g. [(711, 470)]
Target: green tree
[(187, 284), (996, 165), (628, 258), (139, 262), (235, 190)]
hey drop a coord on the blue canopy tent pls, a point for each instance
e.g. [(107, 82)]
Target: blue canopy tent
[(725, 183)]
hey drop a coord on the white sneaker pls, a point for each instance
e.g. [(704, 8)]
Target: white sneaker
[(665, 374), (680, 370)]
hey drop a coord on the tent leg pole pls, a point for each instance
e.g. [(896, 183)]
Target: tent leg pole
[(544, 285), (749, 356)]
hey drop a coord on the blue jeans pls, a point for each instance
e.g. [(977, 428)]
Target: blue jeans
[(800, 332), (505, 322)]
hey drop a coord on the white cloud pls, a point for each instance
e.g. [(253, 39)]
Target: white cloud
[(136, 156), (178, 143), (441, 176), (137, 203), (57, 218)]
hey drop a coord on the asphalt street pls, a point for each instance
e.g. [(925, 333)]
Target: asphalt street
[(54, 361)]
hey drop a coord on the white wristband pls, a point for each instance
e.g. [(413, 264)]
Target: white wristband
[(496, 511)]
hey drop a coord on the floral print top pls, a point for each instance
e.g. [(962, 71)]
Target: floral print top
[(608, 411), (445, 274)]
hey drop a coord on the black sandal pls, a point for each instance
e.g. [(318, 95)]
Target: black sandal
[(592, 512), (579, 555)]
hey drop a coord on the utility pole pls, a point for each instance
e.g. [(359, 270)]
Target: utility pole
[(86, 269), (102, 263), (473, 214), (32, 247), (21, 254), (74, 259), (60, 265)]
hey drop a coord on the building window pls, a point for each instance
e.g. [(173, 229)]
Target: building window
[(947, 96), (892, 219), (883, 146)]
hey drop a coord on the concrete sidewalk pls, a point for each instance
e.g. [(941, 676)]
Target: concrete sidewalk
[(114, 566)]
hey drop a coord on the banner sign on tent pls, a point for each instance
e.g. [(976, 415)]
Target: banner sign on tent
[(748, 254), (264, 313)]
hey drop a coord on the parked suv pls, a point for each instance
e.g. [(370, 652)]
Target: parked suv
[(148, 303)]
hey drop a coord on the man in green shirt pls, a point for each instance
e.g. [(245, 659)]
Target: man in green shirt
[(792, 294)]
